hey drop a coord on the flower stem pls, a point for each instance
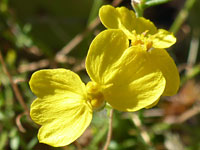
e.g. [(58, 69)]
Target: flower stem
[(183, 14), (14, 86), (144, 134), (109, 135), (138, 7), (154, 3)]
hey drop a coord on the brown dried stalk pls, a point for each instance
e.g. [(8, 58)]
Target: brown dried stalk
[(14, 85), (109, 135)]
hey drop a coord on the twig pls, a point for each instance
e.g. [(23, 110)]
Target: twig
[(109, 135), (76, 143), (44, 63), (193, 51), (18, 80), (76, 40), (14, 86), (183, 117), (155, 112), (79, 37), (18, 122), (33, 66), (34, 50), (79, 67), (145, 136), (188, 114), (116, 2), (183, 66)]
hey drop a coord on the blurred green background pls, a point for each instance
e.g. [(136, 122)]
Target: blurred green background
[(34, 35)]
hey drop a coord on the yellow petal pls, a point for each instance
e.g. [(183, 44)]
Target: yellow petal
[(63, 118), (61, 107), (166, 64), (54, 81), (125, 19), (163, 39), (104, 52), (137, 82), (153, 104), (141, 25), (118, 18), (109, 17)]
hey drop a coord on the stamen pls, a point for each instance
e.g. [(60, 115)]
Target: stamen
[(145, 32), (149, 45), (142, 39)]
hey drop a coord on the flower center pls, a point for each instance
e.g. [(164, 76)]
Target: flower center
[(142, 39), (94, 95)]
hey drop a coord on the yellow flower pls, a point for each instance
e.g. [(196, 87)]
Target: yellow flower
[(138, 30), (128, 78)]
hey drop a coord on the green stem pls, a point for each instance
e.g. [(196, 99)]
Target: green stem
[(138, 7), (191, 74), (183, 14), (154, 2)]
